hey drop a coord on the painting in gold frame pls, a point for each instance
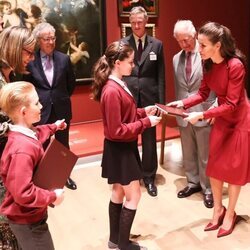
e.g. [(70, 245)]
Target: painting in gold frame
[(151, 6), (79, 24), (126, 29)]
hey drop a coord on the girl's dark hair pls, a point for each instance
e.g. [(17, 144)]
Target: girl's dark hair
[(219, 33), (102, 68)]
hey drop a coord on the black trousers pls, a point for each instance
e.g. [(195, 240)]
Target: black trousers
[(149, 154), (61, 135), (149, 151)]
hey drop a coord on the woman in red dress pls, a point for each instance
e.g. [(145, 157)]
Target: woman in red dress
[(229, 160)]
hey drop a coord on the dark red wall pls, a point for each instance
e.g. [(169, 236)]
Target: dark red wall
[(231, 13)]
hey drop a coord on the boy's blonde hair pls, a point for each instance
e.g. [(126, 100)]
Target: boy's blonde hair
[(14, 95)]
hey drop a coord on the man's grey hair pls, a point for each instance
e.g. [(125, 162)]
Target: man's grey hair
[(184, 27), (42, 28), (138, 10)]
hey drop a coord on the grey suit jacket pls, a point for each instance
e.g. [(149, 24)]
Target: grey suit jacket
[(147, 80), (184, 89)]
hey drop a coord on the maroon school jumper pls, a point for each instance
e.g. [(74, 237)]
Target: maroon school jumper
[(24, 203)]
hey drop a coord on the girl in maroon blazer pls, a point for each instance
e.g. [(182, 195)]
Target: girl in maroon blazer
[(122, 122), (25, 205)]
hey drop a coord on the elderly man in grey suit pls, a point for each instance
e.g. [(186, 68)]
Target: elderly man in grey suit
[(194, 138), (147, 84)]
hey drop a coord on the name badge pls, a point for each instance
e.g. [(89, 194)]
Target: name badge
[(152, 56)]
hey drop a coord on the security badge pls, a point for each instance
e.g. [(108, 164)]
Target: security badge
[(152, 56)]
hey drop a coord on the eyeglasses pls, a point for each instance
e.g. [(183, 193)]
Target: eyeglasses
[(29, 52), (48, 39)]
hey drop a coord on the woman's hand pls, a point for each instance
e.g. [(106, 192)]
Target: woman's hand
[(193, 117), (212, 120), (176, 104), (61, 124)]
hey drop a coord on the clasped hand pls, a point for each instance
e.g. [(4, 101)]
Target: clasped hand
[(153, 114), (192, 117)]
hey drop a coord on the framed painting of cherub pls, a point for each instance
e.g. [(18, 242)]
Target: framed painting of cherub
[(79, 25)]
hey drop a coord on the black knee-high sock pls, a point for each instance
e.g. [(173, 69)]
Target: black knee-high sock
[(114, 221), (126, 220)]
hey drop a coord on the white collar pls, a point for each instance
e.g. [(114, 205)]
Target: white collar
[(121, 83), (44, 56), (26, 131), (195, 50), (116, 79), (142, 38)]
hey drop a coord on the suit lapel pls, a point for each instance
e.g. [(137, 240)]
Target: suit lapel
[(146, 50), (131, 41), (55, 65), (196, 63), (38, 62), (182, 65)]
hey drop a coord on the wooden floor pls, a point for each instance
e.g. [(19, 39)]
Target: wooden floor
[(161, 223)]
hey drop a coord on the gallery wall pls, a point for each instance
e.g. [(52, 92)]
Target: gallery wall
[(235, 16)]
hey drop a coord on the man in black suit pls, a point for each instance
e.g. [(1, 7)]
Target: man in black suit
[(53, 77), (147, 84)]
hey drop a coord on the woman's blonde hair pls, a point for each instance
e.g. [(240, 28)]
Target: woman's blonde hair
[(13, 40), (14, 95)]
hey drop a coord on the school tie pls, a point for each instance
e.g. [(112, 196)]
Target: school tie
[(49, 69), (188, 66), (139, 50)]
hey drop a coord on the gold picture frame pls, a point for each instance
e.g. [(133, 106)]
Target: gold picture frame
[(126, 29), (80, 28), (125, 6)]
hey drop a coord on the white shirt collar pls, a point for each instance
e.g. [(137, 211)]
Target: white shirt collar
[(42, 54), (116, 79), (120, 82), (142, 38), (44, 57), (26, 131), (195, 50)]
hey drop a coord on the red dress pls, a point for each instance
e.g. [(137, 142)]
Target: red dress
[(229, 146)]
